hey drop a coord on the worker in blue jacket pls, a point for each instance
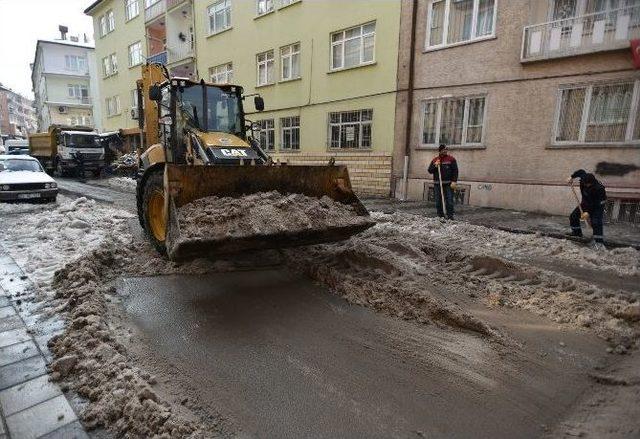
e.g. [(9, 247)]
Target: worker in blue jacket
[(594, 198)]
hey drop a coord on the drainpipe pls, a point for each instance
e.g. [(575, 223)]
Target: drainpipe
[(410, 86)]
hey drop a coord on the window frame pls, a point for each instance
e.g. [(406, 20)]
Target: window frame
[(289, 59), (103, 25), (465, 121), (128, 7), (344, 39), (445, 26), (586, 111), (360, 124), (228, 71), (292, 127), (286, 3), (266, 62), (110, 68), (227, 25), (139, 52), (267, 11), (111, 21), (264, 129)]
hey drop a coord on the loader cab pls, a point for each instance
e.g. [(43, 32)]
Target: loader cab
[(203, 123)]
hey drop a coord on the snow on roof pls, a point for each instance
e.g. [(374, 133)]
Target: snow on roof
[(16, 157), (92, 133)]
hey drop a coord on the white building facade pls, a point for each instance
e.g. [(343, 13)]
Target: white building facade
[(63, 78)]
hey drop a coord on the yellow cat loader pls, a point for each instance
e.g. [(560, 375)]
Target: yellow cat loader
[(196, 142)]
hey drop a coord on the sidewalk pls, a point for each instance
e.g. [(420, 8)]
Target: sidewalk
[(30, 406), (617, 234)]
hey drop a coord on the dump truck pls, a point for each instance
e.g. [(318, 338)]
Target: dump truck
[(198, 143), (62, 147)]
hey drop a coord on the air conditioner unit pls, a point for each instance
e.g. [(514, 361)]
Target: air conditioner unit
[(62, 110), (135, 115)]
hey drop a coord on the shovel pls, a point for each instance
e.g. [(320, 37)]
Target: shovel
[(444, 205), (575, 195)]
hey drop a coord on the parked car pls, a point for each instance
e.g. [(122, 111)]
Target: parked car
[(16, 147), (23, 178)]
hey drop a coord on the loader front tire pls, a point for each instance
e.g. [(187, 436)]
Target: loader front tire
[(153, 216)]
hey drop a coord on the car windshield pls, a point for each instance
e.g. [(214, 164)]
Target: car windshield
[(20, 165), (81, 141), (223, 111)]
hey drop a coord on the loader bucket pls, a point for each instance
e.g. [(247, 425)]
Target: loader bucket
[(185, 184)]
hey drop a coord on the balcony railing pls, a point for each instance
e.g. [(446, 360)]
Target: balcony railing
[(159, 58), (180, 51), (173, 3), (155, 10), (597, 32)]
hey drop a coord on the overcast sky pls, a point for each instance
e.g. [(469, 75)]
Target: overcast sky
[(23, 22)]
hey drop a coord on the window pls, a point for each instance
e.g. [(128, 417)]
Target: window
[(598, 113), (264, 7), (458, 21), (266, 67), (219, 16), (78, 91), (103, 26), (111, 21), (222, 74), (290, 133), (132, 9), (109, 65), (114, 63), (453, 121), (134, 98), (284, 3), (135, 54), (113, 105), (353, 47), (290, 62), (75, 63), (267, 134), (350, 129)]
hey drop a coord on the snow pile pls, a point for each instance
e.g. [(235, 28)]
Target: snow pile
[(423, 269), (45, 240), (121, 395), (125, 184), (263, 213), (14, 208), (77, 249)]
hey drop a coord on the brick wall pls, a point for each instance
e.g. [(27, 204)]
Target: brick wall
[(370, 173)]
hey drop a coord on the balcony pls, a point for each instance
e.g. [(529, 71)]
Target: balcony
[(180, 52), (597, 32), (155, 10), (159, 58)]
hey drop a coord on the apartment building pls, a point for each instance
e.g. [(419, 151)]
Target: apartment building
[(17, 115), (524, 92), (328, 78), (61, 75), (120, 48)]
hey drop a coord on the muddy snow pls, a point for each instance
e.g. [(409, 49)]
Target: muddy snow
[(423, 269), (125, 184), (406, 266), (263, 213)]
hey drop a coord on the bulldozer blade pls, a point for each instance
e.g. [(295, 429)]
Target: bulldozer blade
[(185, 184)]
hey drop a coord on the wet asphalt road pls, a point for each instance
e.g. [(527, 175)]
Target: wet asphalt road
[(284, 358)]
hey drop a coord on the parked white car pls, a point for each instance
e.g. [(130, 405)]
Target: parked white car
[(22, 178)]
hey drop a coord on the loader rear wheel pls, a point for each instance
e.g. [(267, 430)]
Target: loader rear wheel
[(153, 215)]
